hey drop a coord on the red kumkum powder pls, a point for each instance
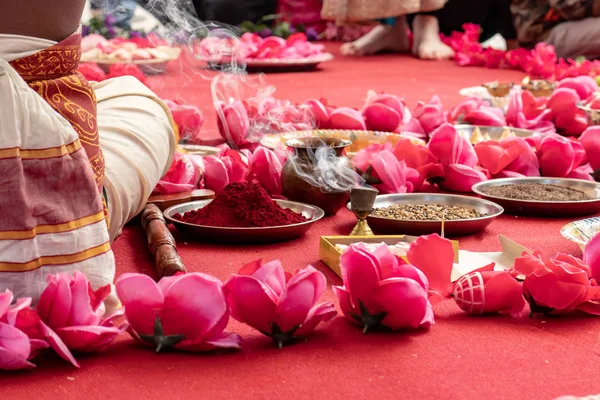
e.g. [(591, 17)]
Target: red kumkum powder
[(242, 205)]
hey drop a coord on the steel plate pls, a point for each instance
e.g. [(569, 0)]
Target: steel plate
[(245, 235), (546, 208), (451, 228)]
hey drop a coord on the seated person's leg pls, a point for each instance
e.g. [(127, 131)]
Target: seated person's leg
[(138, 142), (576, 38), (391, 35), (427, 43)]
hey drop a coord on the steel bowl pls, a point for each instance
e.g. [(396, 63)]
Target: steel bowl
[(269, 234), (494, 132), (545, 208), (460, 227)]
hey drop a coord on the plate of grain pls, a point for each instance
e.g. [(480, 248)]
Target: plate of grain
[(542, 197), (424, 213)]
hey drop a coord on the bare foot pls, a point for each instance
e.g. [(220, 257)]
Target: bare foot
[(427, 44), (380, 38)]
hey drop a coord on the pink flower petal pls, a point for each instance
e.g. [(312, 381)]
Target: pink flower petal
[(87, 338), (434, 256), (266, 167), (590, 139), (233, 123), (591, 256), (37, 345), (360, 272), (227, 340), (302, 292), (319, 112), (251, 302), (142, 300), (388, 263), (451, 148), (216, 176), (14, 340), (556, 156), (344, 301), (82, 312), (460, 178), (347, 118), (320, 313), (403, 300), (58, 345), (193, 305), (10, 361), (379, 117), (6, 298), (54, 306), (272, 274)]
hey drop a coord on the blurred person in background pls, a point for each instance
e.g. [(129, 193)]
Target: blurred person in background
[(571, 26)]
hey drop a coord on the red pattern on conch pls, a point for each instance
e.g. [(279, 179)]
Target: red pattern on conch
[(53, 74)]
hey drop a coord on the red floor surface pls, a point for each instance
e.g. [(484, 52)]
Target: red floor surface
[(460, 357)]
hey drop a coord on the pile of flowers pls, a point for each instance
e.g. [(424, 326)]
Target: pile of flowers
[(251, 46), (541, 62), (190, 311), (151, 47)]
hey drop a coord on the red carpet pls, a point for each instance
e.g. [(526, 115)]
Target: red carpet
[(460, 357)]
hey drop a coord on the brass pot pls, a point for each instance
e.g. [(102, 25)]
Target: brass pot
[(297, 187)]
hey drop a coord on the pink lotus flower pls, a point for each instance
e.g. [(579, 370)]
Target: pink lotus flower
[(511, 157), (559, 284), (18, 327), (431, 115), (419, 158), (590, 140), (233, 122), (528, 112), (279, 306), (347, 118), (183, 175), (466, 107), (265, 168), (569, 119), (226, 168), (381, 169), (560, 157), (486, 116), (185, 312), (384, 112), (188, 119), (591, 256), (381, 289), (458, 157), (72, 314), (585, 86), (320, 113)]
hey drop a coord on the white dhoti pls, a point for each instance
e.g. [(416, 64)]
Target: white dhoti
[(138, 143)]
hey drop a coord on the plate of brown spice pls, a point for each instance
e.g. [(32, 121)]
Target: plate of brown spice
[(424, 213), (243, 213), (543, 197)]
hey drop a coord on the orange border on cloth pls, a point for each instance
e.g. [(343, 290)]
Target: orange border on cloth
[(55, 260), (57, 228), (52, 152)]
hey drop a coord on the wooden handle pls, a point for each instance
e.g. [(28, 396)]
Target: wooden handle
[(161, 243)]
